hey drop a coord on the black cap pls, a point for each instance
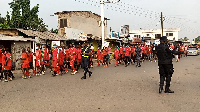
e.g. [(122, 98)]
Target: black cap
[(163, 39)]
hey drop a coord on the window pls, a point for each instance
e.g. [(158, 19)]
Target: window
[(170, 34), (147, 35), (63, 23), (157, 36)]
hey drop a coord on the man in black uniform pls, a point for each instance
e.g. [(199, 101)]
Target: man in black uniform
[(165, 56), (86, 53)]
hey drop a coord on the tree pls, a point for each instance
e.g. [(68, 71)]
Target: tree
[(54, 31), (22, 16), (185, 39), (197, 39)]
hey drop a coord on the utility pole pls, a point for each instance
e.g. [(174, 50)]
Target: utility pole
[(102, 23), (162, 22), (102, 3)]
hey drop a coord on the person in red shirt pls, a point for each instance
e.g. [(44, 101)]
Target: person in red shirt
[(98, 56), (25, 64), (127, 55), (46, 59), (185, 50), (61, 60), (55, 61), (30, 59), (181, 49), (116, 54), (149, 51), (79, 57), (38, 55), (72, 52), (121, 53), (144, 52), (67, 59), (6, 64), (105, 56), (133, 54)]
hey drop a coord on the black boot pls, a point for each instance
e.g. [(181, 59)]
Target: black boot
[(160, 89), (90, 74), (167, 90)]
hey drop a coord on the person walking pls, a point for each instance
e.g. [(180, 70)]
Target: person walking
[(165, 56), (86, 53), (138, 55)]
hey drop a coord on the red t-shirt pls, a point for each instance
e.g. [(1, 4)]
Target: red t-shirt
[(9, 63), (127, 51), (55, 53), (67, 53), (144, 49), (116, 53), (30, 58), (98, 52), (46, 54), (72, 51), (149, 51), (105, 52), (61, 55), (38, 54), (24, 55), (121, 51), (79, 50)]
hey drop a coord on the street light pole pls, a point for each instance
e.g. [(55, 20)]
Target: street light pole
[(102, 2), (102, 22)]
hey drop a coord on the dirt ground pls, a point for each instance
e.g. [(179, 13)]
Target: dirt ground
[(112, 89)]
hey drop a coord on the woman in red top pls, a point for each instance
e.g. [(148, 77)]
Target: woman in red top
[(46, 59), (116, 54), (72, 52), (6, 65), (105, 55), (38, 55), (98, 56), (61, 59), (79, 57), (55, 61), (30, 59), (133, 54), (149, 51)]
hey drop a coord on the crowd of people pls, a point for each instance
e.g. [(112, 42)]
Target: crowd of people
[(62, 59)]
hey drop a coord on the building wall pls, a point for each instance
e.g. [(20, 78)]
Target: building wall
[(152, 33), (85, 21), (16, 52)]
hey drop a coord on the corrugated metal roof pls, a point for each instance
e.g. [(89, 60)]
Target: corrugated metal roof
[(15, 38), (42, 35)]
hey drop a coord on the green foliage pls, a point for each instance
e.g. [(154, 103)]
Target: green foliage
[(197, 39), (185, 39), (22, 16), (54, 31)]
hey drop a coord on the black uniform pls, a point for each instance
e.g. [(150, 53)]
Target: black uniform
[(165, 56), (86, 61)]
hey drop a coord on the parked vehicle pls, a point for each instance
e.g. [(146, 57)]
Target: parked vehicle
[(192, 51), (199, 50)]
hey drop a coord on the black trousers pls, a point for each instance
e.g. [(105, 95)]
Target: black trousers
[(165, 71), (85, 64)]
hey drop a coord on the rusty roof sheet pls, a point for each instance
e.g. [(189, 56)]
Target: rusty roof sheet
[(15, 38), (65, 12), (42, 35)]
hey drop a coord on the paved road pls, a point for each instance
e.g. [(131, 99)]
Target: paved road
[(112, 89)]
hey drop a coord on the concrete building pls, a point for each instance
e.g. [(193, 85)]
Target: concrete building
[(72, 24), (171, 33)]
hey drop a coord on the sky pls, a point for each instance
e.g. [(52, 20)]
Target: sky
[(138, 14)]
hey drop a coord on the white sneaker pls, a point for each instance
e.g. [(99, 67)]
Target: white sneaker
[(75, 72), (42, 73)]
